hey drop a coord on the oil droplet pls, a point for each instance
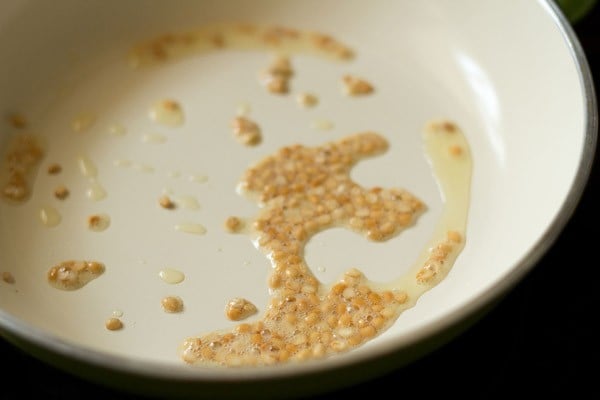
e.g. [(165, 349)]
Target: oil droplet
[(188, 202), (322, 125), (198, 178), (154, 138), (167, 112), (95, 191), (243, 109), (87, 167), (83, 121), (50, 216), (171, 275), (117, 130), (197, 229), (122, 163), (143, 168)]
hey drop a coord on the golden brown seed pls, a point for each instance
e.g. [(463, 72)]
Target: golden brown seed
[(239, 308), (280, 66), (233, 224), (8, 277), (166, 202), (400, 297), (61, 192), (98, 222), (172, 304), (355, 86), (277, 84), (425, 275), (277, 77), (113, 324), (246, 131), (307, 100), (17, 121), (449, 127), (171, 105), (218, 40), (24, 155), (243, 328), (54, 169)]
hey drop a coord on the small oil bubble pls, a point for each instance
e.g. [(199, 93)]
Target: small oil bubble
[(197, 229), (50, 216), (167, 112), (171, 275)]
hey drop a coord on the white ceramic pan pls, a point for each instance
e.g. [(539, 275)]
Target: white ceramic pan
[(394, 167)]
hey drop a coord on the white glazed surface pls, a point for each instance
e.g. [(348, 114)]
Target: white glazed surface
[(505, 73)]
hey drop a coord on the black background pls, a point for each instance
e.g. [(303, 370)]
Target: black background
[(540, 340)]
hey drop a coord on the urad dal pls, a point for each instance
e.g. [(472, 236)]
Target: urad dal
[(303, 191)]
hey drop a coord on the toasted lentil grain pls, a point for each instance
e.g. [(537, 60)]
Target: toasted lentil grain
[(331, 45), (22, 159), (113, 324), (169, 46), (166, 202), (218, 40), (72, 275), (238, 309), (54, 169), (278, 75), (172, 304), (442, 126), (233, 224), (281, 66), (307, 100), (98, 222), (17, 121), (246, 131), (355, 86), (8, 277), (61, 192)]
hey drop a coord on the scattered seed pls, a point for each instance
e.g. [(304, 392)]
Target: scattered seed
[(307, 100), (166, 202), (246, 131), (61, 192), (113, 324), (17, 121), (54, 169), (233, 224), (238, 309), (98, 222), (8, 277), (355, 86), (172, 304)]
